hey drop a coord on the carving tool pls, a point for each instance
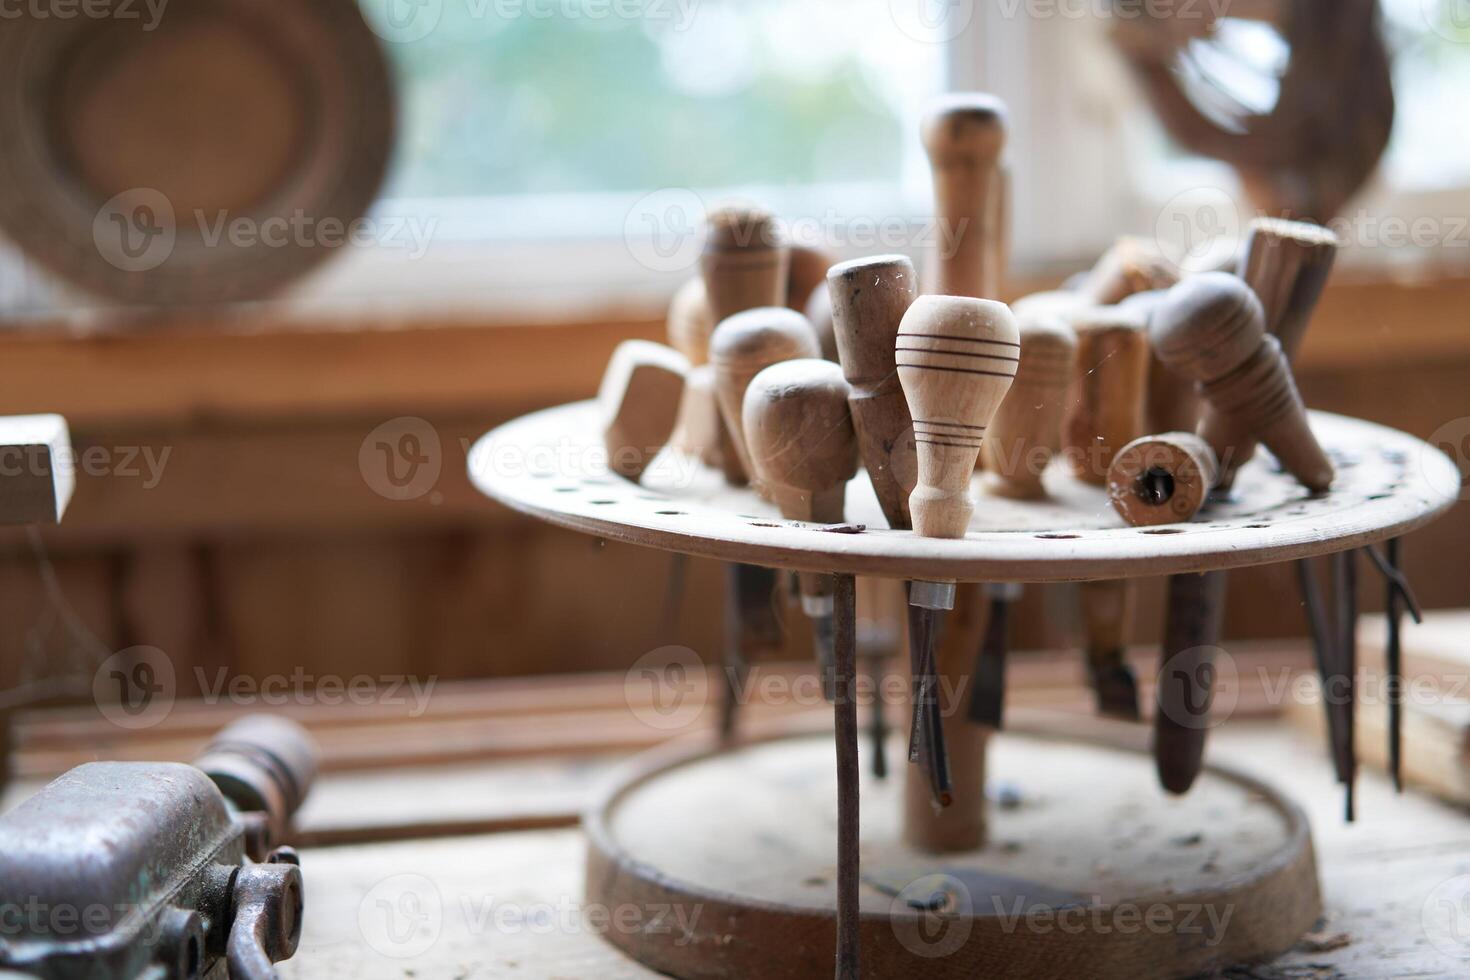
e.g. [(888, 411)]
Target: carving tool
[(798, 430), (744, 266), (1105, 413), (1162, 479), (956, 359), (1287, 264), (1187, 675), (1399, 597), (1343, 696), (1211, 328), (1027, 429), (868, 298), (744, 345), (987, 699), (639, 401), (964, 135)]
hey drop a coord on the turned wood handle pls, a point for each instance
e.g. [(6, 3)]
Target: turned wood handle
[(1287, 264), (964, 135), (740, 348), (744, 266), (1162, 479), (690, 322), (869, 299), (1027, 429), (1186, 681), (1106, 398), (803, 450), (1211, 328), (1131, 266), (956, 359), (639, 398)]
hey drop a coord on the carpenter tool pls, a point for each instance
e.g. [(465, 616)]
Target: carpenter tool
[(1162, 479), (1027, 429), (1187, 677), (181, 864), (956, 359), (987, 699), (1105, 413), (1399, 597), (1287, 264), (798, 430), (744, 266), (639, 401), (741, 347), (964, 135), (1211, 327)]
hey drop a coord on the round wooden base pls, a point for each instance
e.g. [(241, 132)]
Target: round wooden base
[(726, 863)]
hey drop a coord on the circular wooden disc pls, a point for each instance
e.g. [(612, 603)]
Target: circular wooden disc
[(552, 465), (1093, 872), (214, 151)]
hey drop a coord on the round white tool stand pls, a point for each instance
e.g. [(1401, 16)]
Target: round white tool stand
[(1094, 871), (1091, 870)]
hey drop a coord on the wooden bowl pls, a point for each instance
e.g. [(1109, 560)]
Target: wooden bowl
[(214, 153)]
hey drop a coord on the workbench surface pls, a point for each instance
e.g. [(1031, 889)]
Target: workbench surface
[(507, 904)]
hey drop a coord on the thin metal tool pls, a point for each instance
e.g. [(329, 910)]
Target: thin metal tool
[(1345, 589), (845, 719), (987, 700), (1400, 596), (751, 625), (877, 721), (926, 729)]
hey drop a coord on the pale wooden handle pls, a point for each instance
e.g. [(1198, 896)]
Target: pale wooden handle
[(1027, 429), (1106, 399), (741, 347), (744, 266), (868, 299), (964, 136), (956, 359), (639, 398)]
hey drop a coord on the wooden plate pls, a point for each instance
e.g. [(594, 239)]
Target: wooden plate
[(206, 156), (551, 465), (1091, 870)]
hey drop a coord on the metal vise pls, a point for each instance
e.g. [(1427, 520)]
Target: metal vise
[(160, 871)]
